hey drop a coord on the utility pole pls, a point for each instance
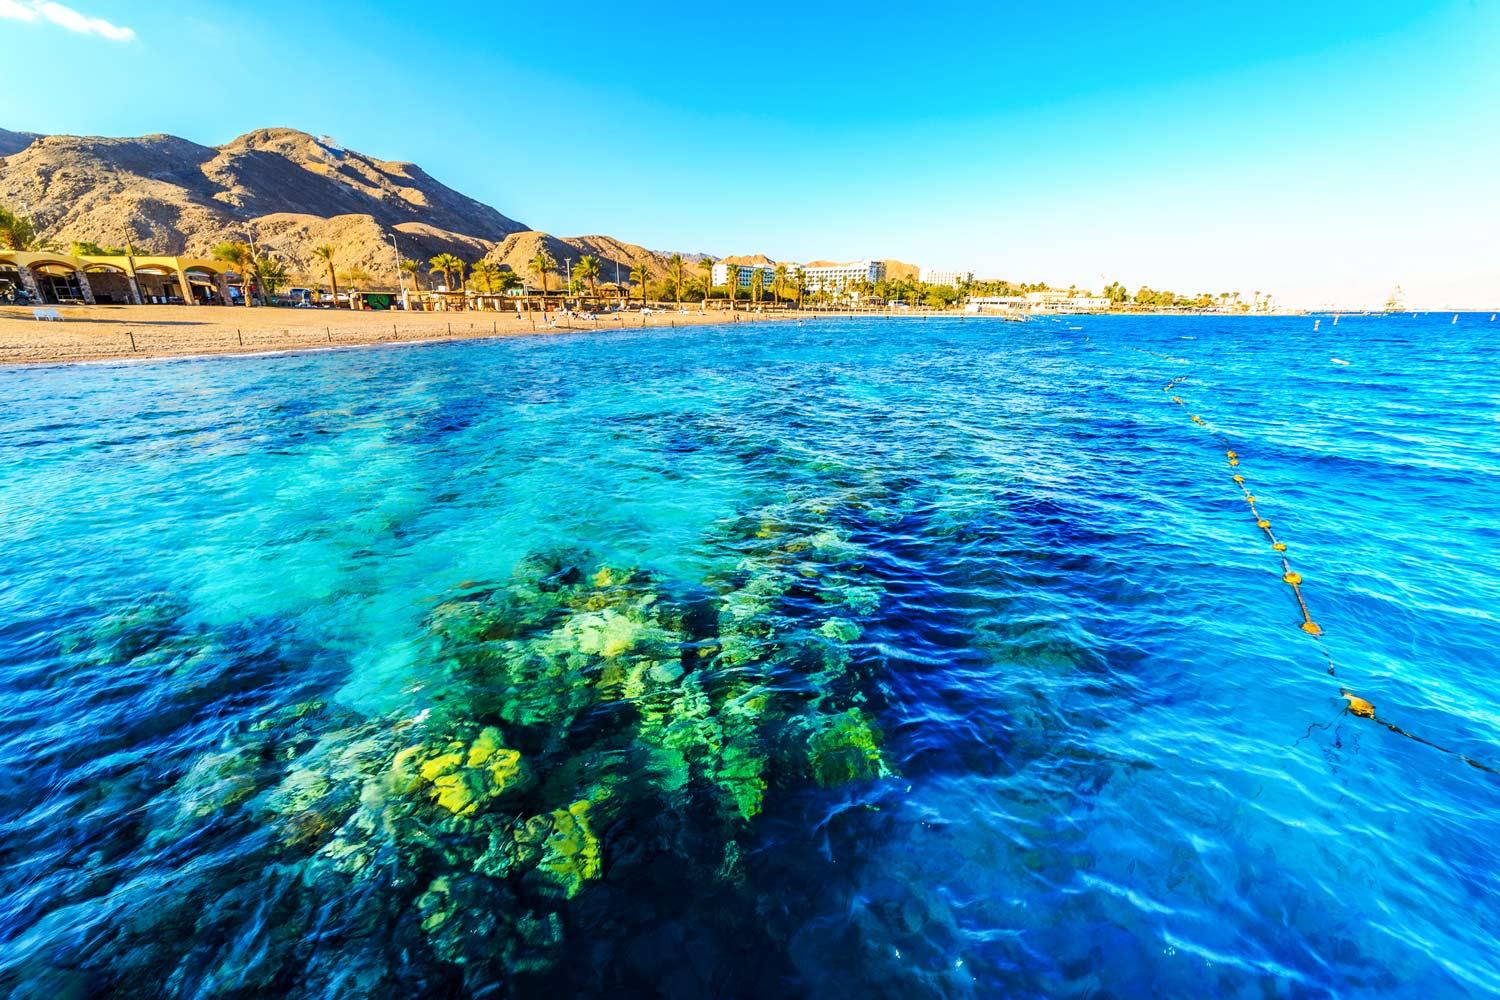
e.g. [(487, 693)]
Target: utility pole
[(400, 274)]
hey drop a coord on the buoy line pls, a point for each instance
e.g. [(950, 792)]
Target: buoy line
[(1355, 705)]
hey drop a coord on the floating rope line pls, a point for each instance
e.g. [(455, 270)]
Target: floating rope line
[(1355, 705)]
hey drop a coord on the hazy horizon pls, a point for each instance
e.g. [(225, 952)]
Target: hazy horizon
[(1320, 156)]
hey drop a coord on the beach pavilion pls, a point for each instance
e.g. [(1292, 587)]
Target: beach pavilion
[(65, 279)]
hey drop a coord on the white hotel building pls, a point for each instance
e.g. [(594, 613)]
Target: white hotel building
[(840, 276), (720, 274), (953, 279)]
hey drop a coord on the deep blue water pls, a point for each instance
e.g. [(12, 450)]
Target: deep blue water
[(857, 659)]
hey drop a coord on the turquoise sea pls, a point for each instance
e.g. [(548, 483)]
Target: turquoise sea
[(856, 658)]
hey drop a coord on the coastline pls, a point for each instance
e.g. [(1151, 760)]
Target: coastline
[(138, 333), (125, 333)]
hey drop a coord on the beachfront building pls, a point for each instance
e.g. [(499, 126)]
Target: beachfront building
[(64, 279), (996, 304), (1062, 301), (822, 275), (953, 279), (747, 274)]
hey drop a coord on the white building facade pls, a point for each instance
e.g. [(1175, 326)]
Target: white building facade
[(1065, 302), (953, 279), (835, 277), (720, 274)]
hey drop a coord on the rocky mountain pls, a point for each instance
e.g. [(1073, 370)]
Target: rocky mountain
[(14, 142), (288, 190)]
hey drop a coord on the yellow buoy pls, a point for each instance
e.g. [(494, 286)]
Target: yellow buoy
[(1291, 578), (1249, 498), (1263, 524), (1359, 706), (1232, 454), (1311, 628), (1239, 479), (1234, 461), (1278, 546)]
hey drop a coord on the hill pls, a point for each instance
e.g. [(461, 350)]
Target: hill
[(14, 142), (287, 189)]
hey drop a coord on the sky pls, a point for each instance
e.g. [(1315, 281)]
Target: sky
[(1320, 152)]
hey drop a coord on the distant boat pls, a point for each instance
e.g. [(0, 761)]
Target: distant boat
[(1394, 304), (1455, 320), (1338, 361)]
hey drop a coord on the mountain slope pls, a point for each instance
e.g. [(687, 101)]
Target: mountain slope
[(286, 189), (14, 142)]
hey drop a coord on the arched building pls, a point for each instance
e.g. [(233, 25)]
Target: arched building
[(63, 279)]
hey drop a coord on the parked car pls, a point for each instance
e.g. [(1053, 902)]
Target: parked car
[(13, 296)]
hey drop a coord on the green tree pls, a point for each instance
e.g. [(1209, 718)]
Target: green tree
[(241, 257), (485, 273), (19, 232), (706, 265), (325, 254), (541, 265), (272, 274), (641, 274), (449, 266), (589, 270), (677, 274), (410, 268), (778, 283), (757, 284), (799, 282)]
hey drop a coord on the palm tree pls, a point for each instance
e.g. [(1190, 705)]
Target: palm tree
[(448, 265), (410, 268), (732, 282), (641, 274), (778, 282), (541, 265), (486, 272), (799, 281), (677, 271), (325, 254), (506, 280), (588, 269), (240, 257), (757, 282), (19, 232), (706, 265)]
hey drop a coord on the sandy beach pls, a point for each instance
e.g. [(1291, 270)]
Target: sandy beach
[(92, 333)]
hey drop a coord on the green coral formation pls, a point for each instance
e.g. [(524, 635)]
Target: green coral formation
[(845, 748), (575, 699)]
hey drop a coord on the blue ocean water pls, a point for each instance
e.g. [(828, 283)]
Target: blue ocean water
[(859, 658)]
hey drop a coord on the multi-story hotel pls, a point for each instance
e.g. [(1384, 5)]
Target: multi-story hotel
[(953, 279), (747, 274), (839, 276)]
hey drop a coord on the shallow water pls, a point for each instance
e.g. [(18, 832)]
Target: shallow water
[(863, 658)]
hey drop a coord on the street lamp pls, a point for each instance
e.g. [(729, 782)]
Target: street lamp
[(400, 274)]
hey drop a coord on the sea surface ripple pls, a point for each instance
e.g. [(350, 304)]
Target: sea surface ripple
[(1111, 763)]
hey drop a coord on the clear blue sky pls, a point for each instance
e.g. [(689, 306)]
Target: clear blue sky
[(1320, 151)]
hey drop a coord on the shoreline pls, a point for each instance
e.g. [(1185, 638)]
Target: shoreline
[(92, 334)]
